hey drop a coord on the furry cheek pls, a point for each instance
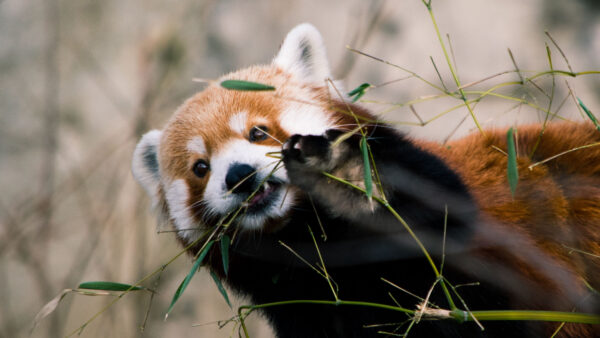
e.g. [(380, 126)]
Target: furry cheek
[(177, 196)]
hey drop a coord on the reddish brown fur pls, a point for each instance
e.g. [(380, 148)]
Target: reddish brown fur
[(556, 207)]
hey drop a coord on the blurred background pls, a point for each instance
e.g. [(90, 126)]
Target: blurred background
[(82, 80)]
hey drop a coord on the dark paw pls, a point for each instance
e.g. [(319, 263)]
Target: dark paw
[(308, 151)]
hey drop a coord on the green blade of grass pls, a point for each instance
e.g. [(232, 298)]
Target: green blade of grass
[(245, 85), (225, 242), (108, 286), (221, 288), (512, 171), (546, 316), (364, 148), (359, 91), (189, 276), (589, 113)]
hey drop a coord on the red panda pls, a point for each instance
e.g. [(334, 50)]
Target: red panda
[(536, 250)]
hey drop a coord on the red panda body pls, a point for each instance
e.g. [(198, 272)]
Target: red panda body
[(213, 165)]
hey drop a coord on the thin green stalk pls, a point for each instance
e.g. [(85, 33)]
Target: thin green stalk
[(512, 98), (250, 308), (551, 99), (407, 103), (356, 119), (545, 316), (564, 72), (408, 229), (454, 75), (327, 276), (439, 314), (453, 108), (399, 67), (396, 215), (559, 50), (563, 153), (139, 283), (438, 74)]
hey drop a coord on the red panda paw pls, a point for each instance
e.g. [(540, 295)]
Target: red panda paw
[(307, 153)]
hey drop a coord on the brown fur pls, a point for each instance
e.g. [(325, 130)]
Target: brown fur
[(549, 230)]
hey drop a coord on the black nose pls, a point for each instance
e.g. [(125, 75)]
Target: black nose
[(241, 178)]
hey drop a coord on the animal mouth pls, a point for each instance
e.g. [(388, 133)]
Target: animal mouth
[(264, 196)]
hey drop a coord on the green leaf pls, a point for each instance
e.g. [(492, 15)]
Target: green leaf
[(512, 171), (245, 85), (225, 242), (589, 114), (364, 148), (359, 91), (189, 276), (109, 286), (221, 288)]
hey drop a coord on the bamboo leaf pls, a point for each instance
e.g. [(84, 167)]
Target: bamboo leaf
[(49, 308), (221, 288), (109, 286), (512, 171), (359, 91), (364, 148), (189, 276), (245, 85), (589, 114), (225, 243)]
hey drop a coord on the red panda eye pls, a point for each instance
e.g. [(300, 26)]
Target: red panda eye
[(258, 133), (200, 168)]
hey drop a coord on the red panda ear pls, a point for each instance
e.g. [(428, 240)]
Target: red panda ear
[(144, 165), (303, 54)]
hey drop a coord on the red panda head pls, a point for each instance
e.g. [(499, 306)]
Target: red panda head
[(212, 157)]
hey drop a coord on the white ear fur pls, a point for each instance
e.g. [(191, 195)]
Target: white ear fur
[(144, 165), (303, 54)]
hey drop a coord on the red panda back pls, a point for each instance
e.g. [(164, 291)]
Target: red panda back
[(552, 220)]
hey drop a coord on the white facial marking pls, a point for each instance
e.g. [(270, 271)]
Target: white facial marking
[(177, 196), (196, 145), (237, 122), (220, 201), (304, 119)]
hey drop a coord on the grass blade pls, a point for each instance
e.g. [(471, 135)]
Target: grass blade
[(359, 91), (245, 85), (364, 148), (225, 243), (221, 288), (189, 276), (589, 114), (109, 286), (49, 308), (512, 171)]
